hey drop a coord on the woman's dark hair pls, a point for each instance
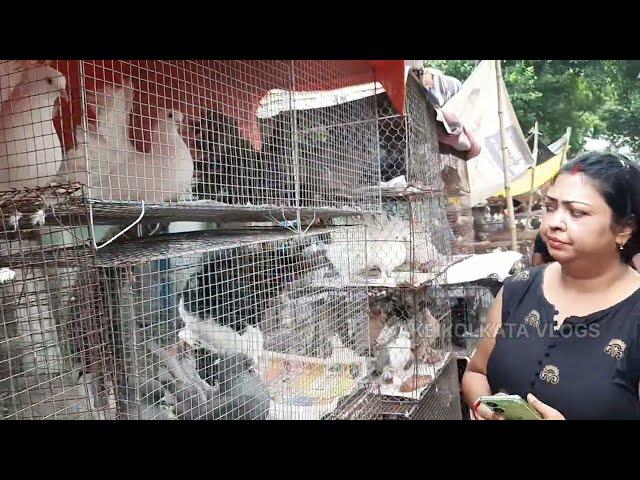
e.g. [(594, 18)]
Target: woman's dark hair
[(618, 181)]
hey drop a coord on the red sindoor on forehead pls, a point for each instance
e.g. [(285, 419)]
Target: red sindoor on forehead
[(576, 169)]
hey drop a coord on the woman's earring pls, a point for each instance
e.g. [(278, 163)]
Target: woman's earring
[(621, 246)]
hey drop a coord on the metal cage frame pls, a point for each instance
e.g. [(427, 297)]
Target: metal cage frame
[(155, 331), (55, 360)]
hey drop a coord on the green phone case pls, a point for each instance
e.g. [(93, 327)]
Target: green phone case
[(511, 407)]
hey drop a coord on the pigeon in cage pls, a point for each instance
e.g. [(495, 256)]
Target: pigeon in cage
[(392, 163), (200, 385), (399, 357), (224, 303), (425, 254), (30, 149), (412, 312), (238, 384), (302, 321), (118, 170), (426, 338), (345, 258), (384, 255), (105, 143), (166, 172), (451, 179)]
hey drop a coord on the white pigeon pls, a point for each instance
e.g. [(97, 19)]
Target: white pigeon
[(425, 252), (107, 147), (386, 248), (165, 173), (385, 255), (6, 275), (30, 149), (400, 356), (218, 337)]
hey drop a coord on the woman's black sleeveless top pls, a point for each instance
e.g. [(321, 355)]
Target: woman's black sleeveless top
[(587, 369)]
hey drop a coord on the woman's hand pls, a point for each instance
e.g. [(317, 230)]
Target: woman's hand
[(482, 412), (485, 413), (547, 412)]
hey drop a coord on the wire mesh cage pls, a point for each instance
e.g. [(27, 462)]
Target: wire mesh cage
[(413, 237), (221, 136), (55, 362), (408, 249), (459, 212), (441, 401), (409, 243), (364, 404), (236, 325), (409, 154), (410, 334), (470, 303)]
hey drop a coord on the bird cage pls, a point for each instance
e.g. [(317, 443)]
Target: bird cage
[(362, 405), (470, 303), (412, 234), (408, 144), (459, 212), (441, 401), (208, 139), (55, 361), (409, 243), (408, 248), (410, 333), (236, 324)]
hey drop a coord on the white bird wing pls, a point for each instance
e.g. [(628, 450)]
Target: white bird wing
[(167, 171)]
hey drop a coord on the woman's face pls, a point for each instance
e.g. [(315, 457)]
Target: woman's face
[(577, 223)]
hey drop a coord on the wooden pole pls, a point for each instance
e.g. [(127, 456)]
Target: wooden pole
[(533, 170), (505, 161), (565, 149)]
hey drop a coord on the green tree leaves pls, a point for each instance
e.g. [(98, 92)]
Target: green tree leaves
[(597, 98)]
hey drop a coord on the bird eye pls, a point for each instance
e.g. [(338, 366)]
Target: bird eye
[(49, 81)]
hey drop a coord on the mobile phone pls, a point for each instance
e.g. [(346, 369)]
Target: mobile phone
[(511, 407)]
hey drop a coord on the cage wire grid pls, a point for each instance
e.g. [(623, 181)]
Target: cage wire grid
[(55, 362), (408, 143), (261, 326), (409, 247), (470, 303), (192, 137), (458, 205), (440, 401), (318, 152)]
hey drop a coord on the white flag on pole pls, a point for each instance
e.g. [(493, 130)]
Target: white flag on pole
[(476, 105)]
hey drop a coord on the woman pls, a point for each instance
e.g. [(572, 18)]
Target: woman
[(565, 335)]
